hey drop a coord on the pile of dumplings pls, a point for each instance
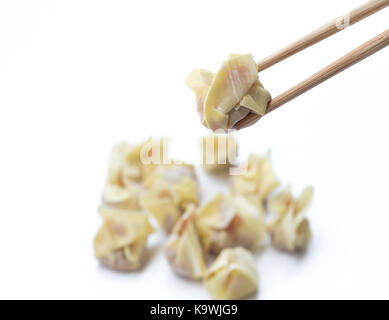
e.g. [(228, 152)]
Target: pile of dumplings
[(211, 242)]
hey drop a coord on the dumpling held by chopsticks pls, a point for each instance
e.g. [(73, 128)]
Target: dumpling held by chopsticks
[(225, 98)]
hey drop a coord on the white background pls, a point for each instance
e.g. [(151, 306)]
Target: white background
[(76, 77)]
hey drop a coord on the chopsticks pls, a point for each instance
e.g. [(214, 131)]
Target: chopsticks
[(355, 56), (367, 49), (324, 32)]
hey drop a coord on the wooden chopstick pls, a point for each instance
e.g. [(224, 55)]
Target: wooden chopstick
[(324, 32), (353, 57)]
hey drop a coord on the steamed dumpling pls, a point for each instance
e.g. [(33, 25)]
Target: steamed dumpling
[(183, 248), (291, 230), (121, 240), (231, 94), (233, 275), (230, 221)]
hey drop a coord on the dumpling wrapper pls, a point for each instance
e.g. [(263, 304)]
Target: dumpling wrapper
[(162, 203), (291, 230), (232, 94), (256, 99), (121, 240), (181, 178), (123, 198), (233, 80), (171, 189), (258, 181), (200, 81), (183, 248), (233, 275), (230, 221), (122, 166), (126, 163)]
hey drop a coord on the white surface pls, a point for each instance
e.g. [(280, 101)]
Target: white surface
[(78, 76)]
